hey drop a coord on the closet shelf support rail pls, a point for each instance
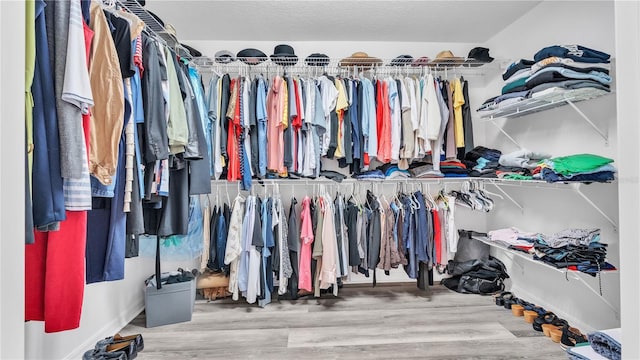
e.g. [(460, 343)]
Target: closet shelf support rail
[(586, 118), (577, 190), (517, 204), (506, 134)]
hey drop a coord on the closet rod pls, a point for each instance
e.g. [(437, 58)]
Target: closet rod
[(206, 64), (350, 181)]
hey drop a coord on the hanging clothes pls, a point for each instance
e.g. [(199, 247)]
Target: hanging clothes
[(306, 240)]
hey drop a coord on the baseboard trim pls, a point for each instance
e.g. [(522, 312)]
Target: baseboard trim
[(109, 329)]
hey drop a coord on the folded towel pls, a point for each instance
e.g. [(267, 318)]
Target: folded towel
[(607, 343), (583, 352)]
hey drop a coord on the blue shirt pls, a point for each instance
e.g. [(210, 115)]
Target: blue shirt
[(261, 117), (194, 78)]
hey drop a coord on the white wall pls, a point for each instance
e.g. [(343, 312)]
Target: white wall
[(561, 132), (12, 37), (627, 15), (107, 308)]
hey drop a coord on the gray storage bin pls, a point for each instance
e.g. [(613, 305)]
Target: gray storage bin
[(171, 304)]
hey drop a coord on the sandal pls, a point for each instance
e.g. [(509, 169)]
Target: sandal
[(556, 325), (499, 298), (547, 318), (571, 337)]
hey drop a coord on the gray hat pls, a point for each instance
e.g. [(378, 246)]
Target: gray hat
[(224, 56)]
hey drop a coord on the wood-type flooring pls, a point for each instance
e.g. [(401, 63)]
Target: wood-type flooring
[(390, 321)]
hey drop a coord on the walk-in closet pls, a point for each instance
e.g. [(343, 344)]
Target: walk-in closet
[(341, 179)]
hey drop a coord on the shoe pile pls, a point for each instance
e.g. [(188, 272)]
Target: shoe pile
[(542, 320), (116, 347)]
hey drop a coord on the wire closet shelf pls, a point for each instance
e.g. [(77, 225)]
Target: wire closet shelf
[(382, 66)]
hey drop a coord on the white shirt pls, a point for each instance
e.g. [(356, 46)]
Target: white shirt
[(234, 247), (434, 119), (329, 95), (253, 279)]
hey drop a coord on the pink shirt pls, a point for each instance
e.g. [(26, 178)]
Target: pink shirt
[(275, 131), (306, 239)]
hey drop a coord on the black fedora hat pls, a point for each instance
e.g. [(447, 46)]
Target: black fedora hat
[(251, 56), (284, 55), (317, 59), (478, 56)]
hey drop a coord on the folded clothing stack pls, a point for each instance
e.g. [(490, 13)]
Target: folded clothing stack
[(454, 168), (605, 344), (514, 238), (519, 164), (391, 171), (371, 175), (576, 249), (491, 163), (578, 167), (554, 71)]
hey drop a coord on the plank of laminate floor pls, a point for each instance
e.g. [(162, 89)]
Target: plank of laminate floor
[(383, 334)]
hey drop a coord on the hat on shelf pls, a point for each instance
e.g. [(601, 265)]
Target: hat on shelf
[(317, 59), (478, 56), (360, 59), (224, 57), (170, 29), (446, 58), (251, 56), (192, 51), (402, 60), (421, 61), (284, 55)]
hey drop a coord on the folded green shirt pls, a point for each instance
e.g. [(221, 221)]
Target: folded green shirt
[(567, 165)]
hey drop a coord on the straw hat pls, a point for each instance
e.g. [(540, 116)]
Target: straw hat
[(360, 59), (446, 57)]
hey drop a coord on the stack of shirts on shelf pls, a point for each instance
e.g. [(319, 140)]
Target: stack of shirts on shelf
[(514, 238), (579, 167), (482, 161), (423, 170), (392, 171), (491, 163), (574, 249), (556, 73), (520, 164), (454, 168)]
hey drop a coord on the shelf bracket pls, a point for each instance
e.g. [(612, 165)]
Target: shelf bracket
[(577, 277), (576, 189), (586, 118), (517, 204), (505, 133)]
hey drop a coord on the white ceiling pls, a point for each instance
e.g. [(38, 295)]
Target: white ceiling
[(319, 20)]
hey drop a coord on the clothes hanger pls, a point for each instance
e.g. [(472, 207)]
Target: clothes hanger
[(108, 4)]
